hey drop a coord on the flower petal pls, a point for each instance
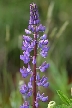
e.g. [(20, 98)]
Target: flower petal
[(43, 37), (46, 84), (30, 85), (34, 60), (27, 31), (44, 99)]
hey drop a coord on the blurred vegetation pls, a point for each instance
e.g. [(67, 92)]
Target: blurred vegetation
[(56, 15)]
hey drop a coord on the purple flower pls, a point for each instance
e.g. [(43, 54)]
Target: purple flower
[(24, 72), (39, 83), (34, 60), (25, 57), (22, 57), (24, 48), (44, 99), (29, 69), (22, 106), (26, 60), (36, 104), (44, 66), (29, 49), (32, 78), (45, 49), (27, 38), (27, 31), (46, 84), (43, 53), (40, 45), (30, 85), (41, 97), (38, 94), (37, 77), (43, 82), (43, 37), (24, 89), (30, 27), (41, 28), (43, 42), (25, 45), (30, 93), (26, 53), (34, 16), (32, 44), (25, 105)]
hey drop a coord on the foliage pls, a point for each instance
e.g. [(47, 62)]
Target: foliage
[(65, 99)]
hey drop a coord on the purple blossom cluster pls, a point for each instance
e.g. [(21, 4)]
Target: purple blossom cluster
[(32, 44)]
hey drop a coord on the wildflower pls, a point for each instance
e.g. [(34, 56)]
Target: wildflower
[(30, 85), (29, 93), (31, 78), (34, 60), (41, 28), (32, 44), (43, 37), (36, 104), (25, 105), (24, 89), (46, 84), (43, 82), (37, 77), (44, 99), (44, 66), (29, 68), (27, 31), (43, 54), (24, 72), (27, 38)]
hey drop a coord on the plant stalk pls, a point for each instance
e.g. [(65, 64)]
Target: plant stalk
[(34, 72)]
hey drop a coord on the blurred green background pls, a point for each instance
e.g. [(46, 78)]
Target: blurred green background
[(56, 15)]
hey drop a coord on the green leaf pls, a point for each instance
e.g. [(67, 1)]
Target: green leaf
[(71, 101), (63, 97), (62, 29), (62, 106), (70, 106)]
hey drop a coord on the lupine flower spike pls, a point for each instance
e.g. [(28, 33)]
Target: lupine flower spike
[(32, 44)]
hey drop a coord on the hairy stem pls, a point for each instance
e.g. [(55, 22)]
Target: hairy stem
[(34, 72)]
